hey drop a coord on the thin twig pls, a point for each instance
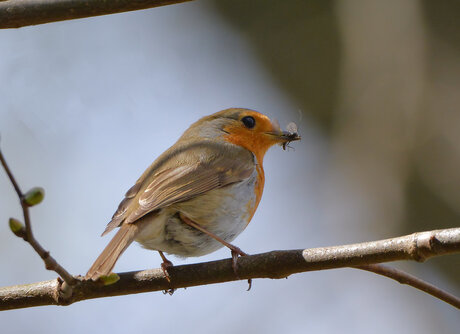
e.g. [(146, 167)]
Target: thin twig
[(21, 13), (415, 282), (50, 262), (276, 264), (10, 175)]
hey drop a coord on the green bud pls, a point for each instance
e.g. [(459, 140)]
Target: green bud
[(34, 196), (16, 227), (109, 279)]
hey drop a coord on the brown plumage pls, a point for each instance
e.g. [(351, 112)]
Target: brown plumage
[(212, 175)]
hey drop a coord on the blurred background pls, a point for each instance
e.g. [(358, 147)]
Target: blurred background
[(87, 105)]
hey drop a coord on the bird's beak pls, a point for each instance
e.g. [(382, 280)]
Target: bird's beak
[(283, 138)]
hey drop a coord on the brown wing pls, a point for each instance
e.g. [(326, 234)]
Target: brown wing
[(185, 182), (181, 181)]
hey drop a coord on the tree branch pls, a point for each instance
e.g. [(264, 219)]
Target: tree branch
[(21, 13), (276, 264)]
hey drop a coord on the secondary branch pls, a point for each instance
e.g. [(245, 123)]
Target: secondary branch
[(21, 13)]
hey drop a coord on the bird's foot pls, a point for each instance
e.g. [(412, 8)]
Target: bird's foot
[(165, 265), (236, 252)]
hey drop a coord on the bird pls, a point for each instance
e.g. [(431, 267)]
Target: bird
[(200, 194)]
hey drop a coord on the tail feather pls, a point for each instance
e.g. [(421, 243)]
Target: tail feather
[(109, 256)]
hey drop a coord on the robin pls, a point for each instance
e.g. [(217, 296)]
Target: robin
[(199, 194)]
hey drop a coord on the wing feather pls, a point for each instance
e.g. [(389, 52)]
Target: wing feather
[(170, 181), (182, 185), (120, 214)]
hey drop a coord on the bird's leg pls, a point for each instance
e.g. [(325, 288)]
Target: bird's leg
[(165, 265), (235, 250)]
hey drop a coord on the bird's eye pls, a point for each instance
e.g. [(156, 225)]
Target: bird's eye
[(249, 122)]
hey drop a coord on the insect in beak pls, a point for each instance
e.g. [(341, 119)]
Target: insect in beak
[(291, 134), (285, 137)]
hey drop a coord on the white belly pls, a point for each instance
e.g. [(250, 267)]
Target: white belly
[(224, 212)]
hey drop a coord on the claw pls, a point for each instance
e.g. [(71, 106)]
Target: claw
[(235, 263), (235, 253)]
